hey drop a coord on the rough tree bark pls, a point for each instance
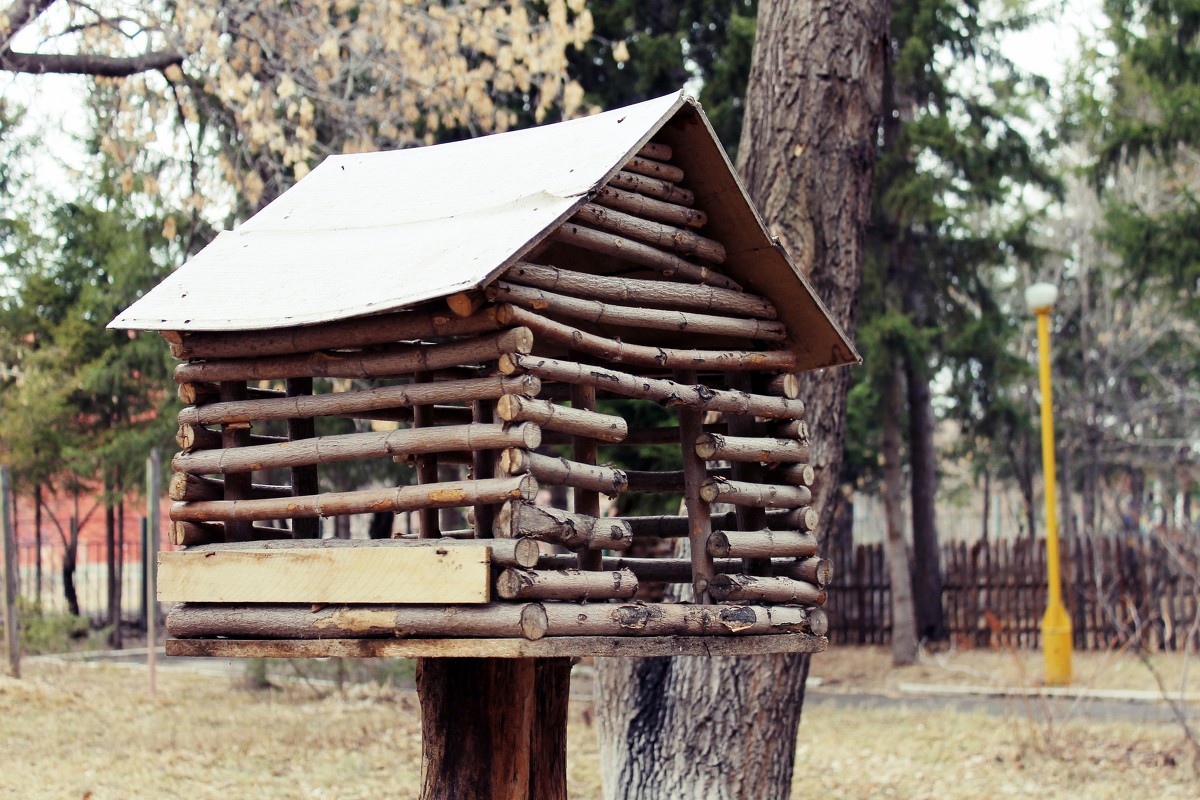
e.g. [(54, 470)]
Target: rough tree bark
[(927, 570), (904, 625), (493, 728), (807, 155)]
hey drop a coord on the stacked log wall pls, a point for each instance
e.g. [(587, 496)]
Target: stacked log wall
[(504, 383)]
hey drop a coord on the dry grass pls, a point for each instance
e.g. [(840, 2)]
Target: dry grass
[(93, 732), (869, 668)]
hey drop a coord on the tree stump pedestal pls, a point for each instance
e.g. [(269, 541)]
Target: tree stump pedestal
[(494, 728)]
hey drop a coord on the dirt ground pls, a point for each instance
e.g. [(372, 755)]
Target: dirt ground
[(80, 731)]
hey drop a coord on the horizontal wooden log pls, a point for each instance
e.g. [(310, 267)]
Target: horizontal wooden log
[(660, 390), (652, 187), (656, 234), (592, 311), (657, 619), (795, 474), (515, 647), (575, 421), (349, 446), (761, 544), (530, 621), (793, 429), (679, 570), (191, 534), (565, 584), (674, 527), (649, 208), (189, 488), (552, 471), (553, 525), (669, 435), (641, 292), (387, 363), (754, 589), (201, 392), (645, 481), (342, 335), (718, 447), (464, 304), (814, 570), (657, 151), (197, 437), (654, 169), (645, 355), (758, 495), (446, 575), (785, 385), (504, 552), (446, 494), (518, 620), (358, 403), (667, 264)]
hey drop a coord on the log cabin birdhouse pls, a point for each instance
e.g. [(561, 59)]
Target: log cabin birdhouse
[(484, 323)]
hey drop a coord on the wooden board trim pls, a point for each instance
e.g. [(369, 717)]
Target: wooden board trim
[(443, 575), (549, 647)]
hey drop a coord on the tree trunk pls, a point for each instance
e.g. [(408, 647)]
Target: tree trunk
[(904, 625), (807, 157), (68, 568), (1137, 493), (927, 570), (494, 728), (37, 538), (114, 584)]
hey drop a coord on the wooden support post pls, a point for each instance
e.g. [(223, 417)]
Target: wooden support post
[(585, 451), (691, 426), (153, 494), (237, 484), (304, 479), (749, 518), (483, 466), (427, 467), (12, 642), (493, 728)]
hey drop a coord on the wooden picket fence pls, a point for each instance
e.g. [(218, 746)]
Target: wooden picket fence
[(1118, 590)]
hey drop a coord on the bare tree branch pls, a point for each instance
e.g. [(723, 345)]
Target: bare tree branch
[(99, 66), (22, 13)]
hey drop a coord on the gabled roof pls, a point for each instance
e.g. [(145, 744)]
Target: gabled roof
[(369, 233)]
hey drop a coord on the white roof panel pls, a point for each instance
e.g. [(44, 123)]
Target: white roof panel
[(374, 232)]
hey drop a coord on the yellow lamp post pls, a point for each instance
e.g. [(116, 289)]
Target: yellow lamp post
[(1056, 625)]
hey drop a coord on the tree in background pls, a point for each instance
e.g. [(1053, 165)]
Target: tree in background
[(806, 154), (259, 92), (641, 50), (81, 404), (949, 215), (1129, 268)]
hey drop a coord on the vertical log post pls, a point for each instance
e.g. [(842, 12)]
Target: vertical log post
[(691, 426), (427, 466), (237, 484), (150, 560), (586, 451), (12, 642), (494, 728), (483, 466), (749, 518), (304, 479)]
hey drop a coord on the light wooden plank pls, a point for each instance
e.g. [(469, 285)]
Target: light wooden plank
[(322, 575), (549, 647)]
